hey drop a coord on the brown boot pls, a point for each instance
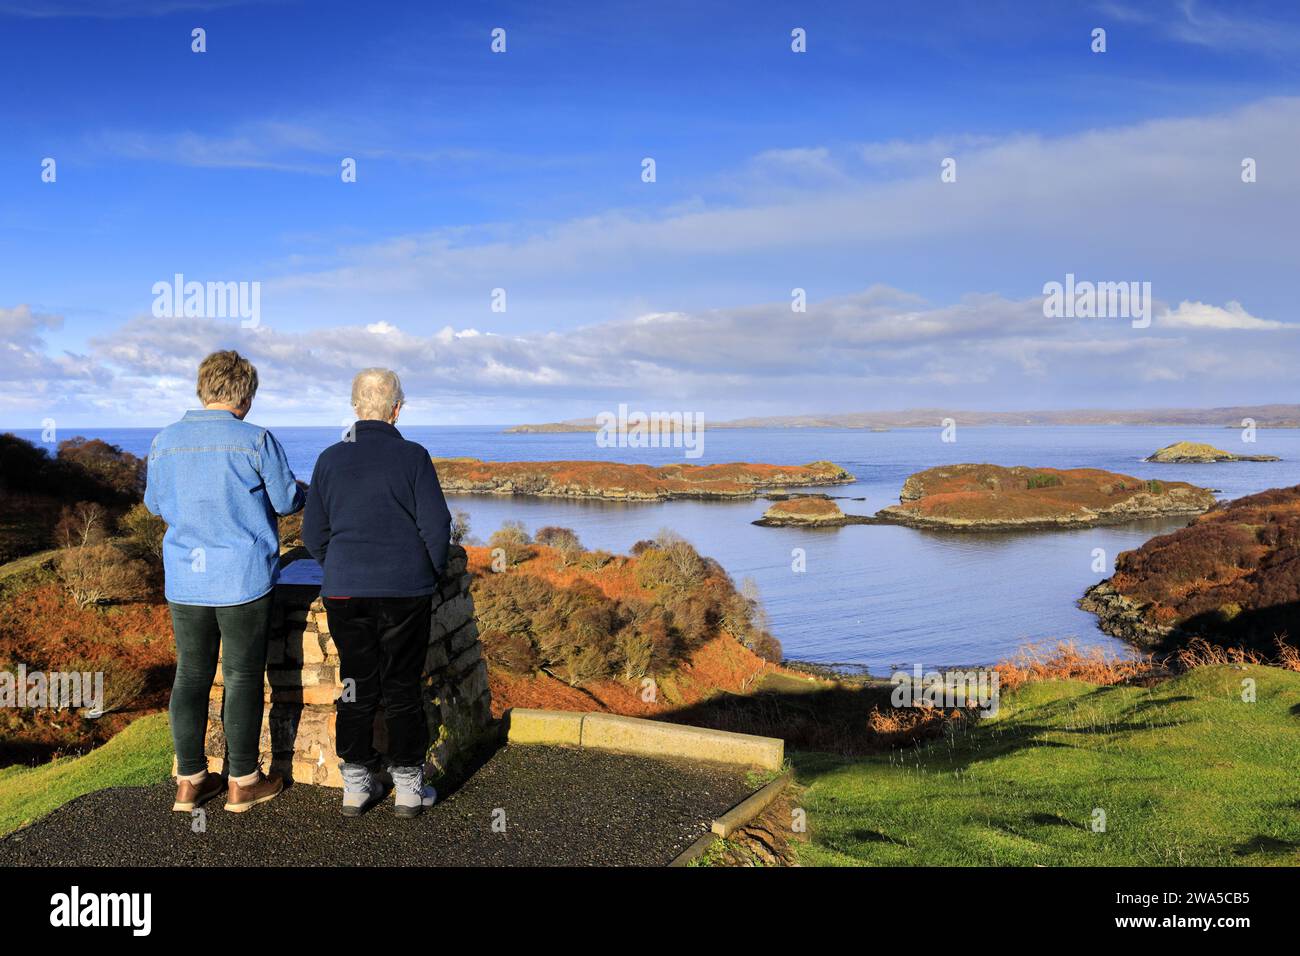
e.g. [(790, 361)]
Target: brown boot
[(191, 795), (239, 799)]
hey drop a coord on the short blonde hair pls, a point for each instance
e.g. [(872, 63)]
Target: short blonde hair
[(374, 393), (227, 378)]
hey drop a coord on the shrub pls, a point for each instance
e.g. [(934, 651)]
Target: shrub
[(513, 540), (145, 530), (563, 540), (512, 650), (594, 560), (82, 524), (636, 651), (459, 526), (100, 573)]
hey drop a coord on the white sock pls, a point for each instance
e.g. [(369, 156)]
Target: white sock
[(194, 778), (249, 780)]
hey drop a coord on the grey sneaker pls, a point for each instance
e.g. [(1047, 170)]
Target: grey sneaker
[(362, 789), (412, 793)]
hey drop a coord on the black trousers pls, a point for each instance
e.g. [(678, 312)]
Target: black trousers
[(382, 644)]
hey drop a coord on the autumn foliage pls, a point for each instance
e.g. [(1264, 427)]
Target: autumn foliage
[(1232, 576), (626, 618)]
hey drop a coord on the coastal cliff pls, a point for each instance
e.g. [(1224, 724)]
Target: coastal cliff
[(623, 482), (977, 497)]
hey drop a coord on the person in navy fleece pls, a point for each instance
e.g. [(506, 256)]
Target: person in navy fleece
[(377, 522)]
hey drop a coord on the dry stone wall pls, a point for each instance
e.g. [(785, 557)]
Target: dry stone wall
[(302, 671)]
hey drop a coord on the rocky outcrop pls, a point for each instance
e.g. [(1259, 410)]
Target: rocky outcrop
[(618, 481), (977, 497), (808, 512), (302, 671), (1231, 577), (1125, 617), (1199, 453)]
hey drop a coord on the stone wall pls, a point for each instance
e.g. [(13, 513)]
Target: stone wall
[(302, 670)]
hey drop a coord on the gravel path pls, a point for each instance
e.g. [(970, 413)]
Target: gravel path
[(560, 806)]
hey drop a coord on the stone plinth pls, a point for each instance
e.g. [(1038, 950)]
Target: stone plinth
[(302, 670)]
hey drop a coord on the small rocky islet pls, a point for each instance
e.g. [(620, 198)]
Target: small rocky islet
[(808, 511), (1199, 453)]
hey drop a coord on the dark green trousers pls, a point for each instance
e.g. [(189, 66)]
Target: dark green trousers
[(240, 632)]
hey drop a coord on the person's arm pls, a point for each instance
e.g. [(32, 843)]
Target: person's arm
[(151, 484), (315, 518), (431, 514), (282, 488)]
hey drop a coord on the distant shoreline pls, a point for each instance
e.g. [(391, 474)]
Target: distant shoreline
[(1262, 416)]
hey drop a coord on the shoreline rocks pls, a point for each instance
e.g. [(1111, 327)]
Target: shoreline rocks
[(1123, 617)]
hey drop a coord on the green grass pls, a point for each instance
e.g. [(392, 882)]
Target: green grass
[(1186, 772), (140, 755)]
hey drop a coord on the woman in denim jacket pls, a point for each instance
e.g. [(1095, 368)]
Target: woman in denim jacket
[(220, 483)]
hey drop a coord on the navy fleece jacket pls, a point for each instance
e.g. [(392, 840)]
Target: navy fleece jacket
[(376, 519)]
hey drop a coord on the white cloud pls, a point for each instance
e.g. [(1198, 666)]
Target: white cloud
[(1199, 315)]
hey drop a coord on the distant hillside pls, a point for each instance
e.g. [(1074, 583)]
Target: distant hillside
[(1264, 416)]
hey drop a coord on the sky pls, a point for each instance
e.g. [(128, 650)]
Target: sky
[(501, 248)]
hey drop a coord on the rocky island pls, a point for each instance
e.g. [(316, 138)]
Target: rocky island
[(1199, 453), (623, 482), (808, 511), (970, 497), (1232, 577)]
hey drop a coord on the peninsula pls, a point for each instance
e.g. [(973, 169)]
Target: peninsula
[(1231, 576)]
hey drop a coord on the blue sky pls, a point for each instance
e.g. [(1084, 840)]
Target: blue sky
[(522, 171)]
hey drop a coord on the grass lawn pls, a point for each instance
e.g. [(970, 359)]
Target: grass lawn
[(1186, 773), (141, 754)]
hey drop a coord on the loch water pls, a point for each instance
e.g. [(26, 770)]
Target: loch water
[(876, 597)]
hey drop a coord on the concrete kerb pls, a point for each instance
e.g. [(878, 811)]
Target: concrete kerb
[(735, 818), (639, 736)]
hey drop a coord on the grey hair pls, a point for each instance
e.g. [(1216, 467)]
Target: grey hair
[(374, 393)]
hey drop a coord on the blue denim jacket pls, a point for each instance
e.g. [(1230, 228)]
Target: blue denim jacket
[(219, 483)]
